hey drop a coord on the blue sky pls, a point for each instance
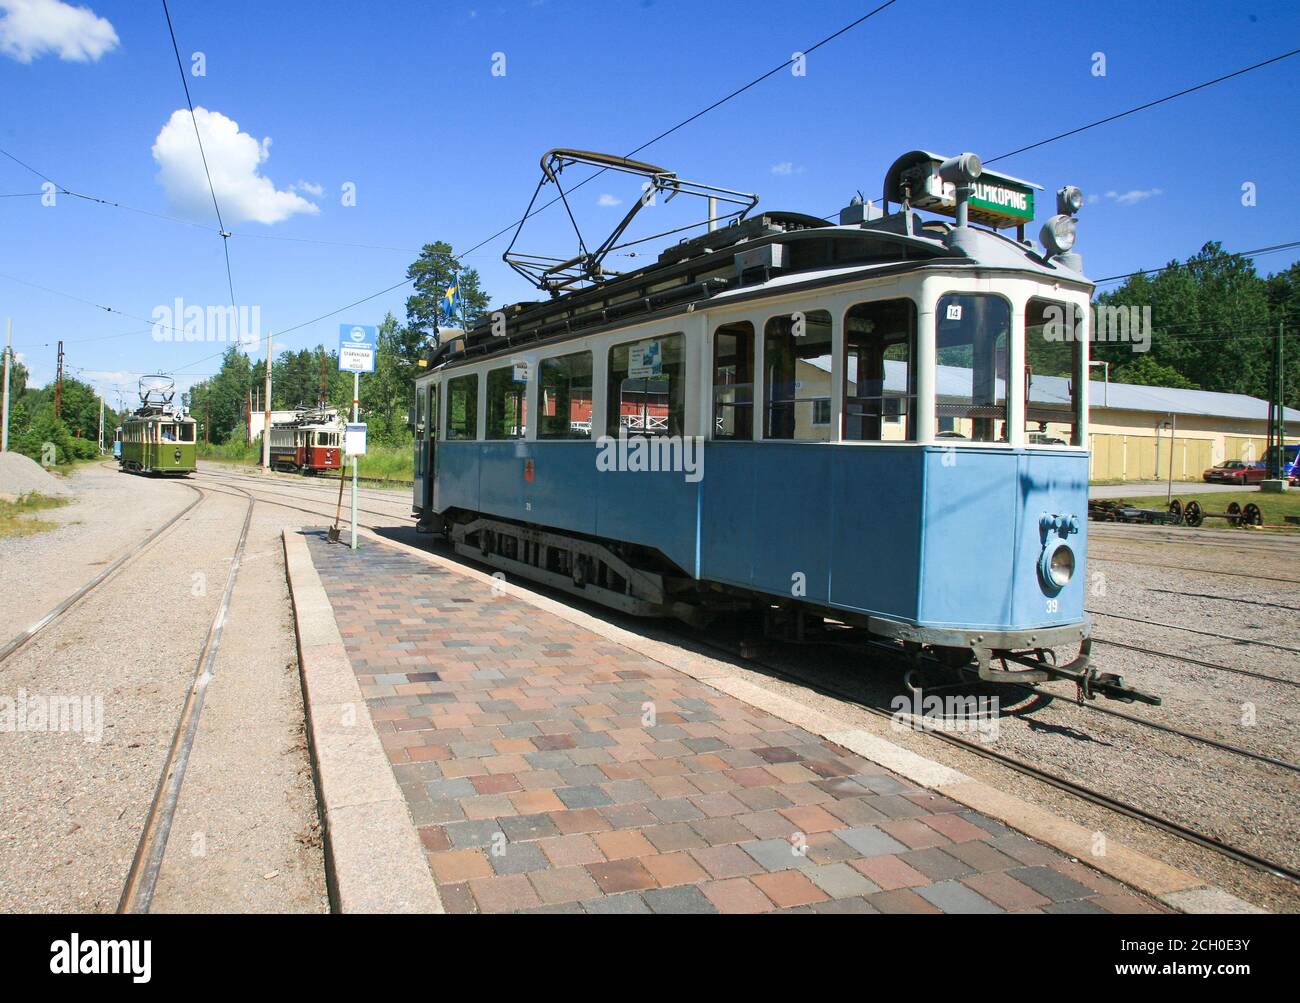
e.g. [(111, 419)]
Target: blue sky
[(399, 99)]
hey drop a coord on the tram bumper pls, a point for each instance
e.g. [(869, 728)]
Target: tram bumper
[(1032, 650)]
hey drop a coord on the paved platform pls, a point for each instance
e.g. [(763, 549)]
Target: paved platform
[(548, 768)]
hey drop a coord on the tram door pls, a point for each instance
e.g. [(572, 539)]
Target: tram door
[(431, 447)]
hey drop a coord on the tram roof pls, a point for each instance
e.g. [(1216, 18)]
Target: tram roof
[(766, 254)]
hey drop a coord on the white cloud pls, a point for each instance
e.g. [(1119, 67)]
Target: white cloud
[(310, 187), (608, 200), (32, 28), (1133, 196), (786, 168), (233, 158)]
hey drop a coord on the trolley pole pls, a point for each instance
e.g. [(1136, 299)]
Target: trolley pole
[(356, 417), (4, 415)]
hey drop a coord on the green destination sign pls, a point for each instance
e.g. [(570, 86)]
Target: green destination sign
[(1001, 201)]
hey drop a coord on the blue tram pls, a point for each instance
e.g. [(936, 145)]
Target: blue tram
[(879, 423)]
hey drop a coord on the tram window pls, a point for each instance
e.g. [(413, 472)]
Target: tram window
[(880, 371), (505, 404), (973, 357), (733, 381), (647, 387), (462, 407), (187, 432), (796, 375), (1054, 335), (564, 397)]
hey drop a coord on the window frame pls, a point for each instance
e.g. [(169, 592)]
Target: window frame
[(521, 411), (614, 393), (909, 419), (1077, 379), (569, 435), (744, 430), (833, 345), (1009, 393), (471, 407)]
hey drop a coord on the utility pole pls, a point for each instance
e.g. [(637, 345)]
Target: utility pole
[(207, 419), (324, 396), (101, 424), (4, 415), (266, 424), (58, 386)]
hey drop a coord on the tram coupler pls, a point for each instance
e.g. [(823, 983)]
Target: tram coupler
[(1089, 683)]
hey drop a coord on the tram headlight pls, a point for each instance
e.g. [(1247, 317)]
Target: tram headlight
[(1057, 565), (1058, 234)]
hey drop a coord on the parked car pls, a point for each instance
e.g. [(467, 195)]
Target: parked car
[(1235, 472)]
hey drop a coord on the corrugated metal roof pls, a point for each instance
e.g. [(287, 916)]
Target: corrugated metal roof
[(955, 381)]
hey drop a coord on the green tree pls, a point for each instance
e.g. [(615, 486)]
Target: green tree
[(1147, 371), (432, 272)]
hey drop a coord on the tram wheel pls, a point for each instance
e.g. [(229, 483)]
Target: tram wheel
[(1252, 516), (1192, 515), (1176, 511)]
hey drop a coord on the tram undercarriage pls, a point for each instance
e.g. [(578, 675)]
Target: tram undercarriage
[(641, 582)]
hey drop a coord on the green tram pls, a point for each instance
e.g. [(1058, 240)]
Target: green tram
[(157, 442)]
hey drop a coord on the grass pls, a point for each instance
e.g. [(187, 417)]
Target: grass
[(1273, 506), (16, 516), (381, 463)]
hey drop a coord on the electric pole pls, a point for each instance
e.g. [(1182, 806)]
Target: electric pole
[(58, 386), (266, 424), (4, 415), (101, 424), (323, 394)]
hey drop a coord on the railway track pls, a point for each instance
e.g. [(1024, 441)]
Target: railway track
[(1196, 661), (142, 878), (1194, 630), (117, 565)]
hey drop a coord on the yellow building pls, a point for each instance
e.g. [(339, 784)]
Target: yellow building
[(1127, 422)]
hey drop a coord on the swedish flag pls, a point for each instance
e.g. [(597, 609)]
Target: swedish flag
[(451, 301)]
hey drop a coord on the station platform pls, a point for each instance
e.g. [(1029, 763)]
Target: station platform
[(540, 764)]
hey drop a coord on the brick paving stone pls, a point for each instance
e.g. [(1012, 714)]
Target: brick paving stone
[(1077, 907), (504, 894), (680, 899), (670, 869), (620, 845), (518, 858), (736, 895), (1050, 883), (525, 827), (868, 840), (502, 721), (954, 897), (890, 872), (621, 876), (901, 901), (626, 903), (1006, 891), (936, 865), (451, 866), (789, 888), (726, 861), (563, 884), (840, 881), (457, 898), (677, 836)]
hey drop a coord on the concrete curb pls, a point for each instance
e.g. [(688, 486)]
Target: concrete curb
[(1174, 888), (374, 862)]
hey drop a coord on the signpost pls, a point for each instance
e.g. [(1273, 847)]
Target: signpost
[(357, 344)]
